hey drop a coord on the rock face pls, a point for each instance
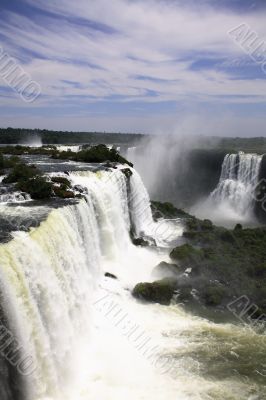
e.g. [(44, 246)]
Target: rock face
[(156, 292), (109, 275), (140, 242)]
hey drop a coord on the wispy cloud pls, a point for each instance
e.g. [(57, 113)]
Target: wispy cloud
[(89, 53)]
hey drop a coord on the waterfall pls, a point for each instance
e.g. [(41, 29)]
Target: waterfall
[(14, 197), (238, 181), (49, 275), (72, 148)]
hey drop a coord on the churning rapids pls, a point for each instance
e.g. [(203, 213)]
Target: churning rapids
[(81, 334)]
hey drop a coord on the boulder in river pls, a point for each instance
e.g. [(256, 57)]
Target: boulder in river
[(156, 292)]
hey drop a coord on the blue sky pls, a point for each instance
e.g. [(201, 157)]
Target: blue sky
[(136, 66)]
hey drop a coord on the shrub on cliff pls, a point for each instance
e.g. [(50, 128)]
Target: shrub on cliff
[(100, 154), (38, 188), (166, 210), (21, 172), (156, 292), (187, 254)]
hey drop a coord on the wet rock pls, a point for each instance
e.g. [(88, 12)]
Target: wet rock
[(62, 193), (140, 242), (109, 275), (61, 180), (156, 292), (127, 172), (80, 189)]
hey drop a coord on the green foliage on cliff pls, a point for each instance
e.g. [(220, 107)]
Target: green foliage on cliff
[(21, 172), (100, 154), (38, 188), (233, 258)]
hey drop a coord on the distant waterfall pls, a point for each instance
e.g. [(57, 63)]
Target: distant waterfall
[(239, 177)]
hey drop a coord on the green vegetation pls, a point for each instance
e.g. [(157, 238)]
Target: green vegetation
[(157, 292), (20, 150), (213, 295), (38, 188), (219, 264), (100, 154), (14, 136), (235, 259), (21, 172), (27, 178), (187, 255), (166, 210), (62, 181), (96, 154)]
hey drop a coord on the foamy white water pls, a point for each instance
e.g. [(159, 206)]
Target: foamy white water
[(61, 148), (239, 177)]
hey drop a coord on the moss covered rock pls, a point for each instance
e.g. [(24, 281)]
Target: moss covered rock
[(61, 180), (156, 292), (187, 255), (99, 154)]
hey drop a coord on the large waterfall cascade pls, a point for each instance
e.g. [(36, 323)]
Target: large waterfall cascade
[(238, 181), (49, 277)]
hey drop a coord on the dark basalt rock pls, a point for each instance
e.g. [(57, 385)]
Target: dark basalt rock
[(80, 189), (140, 242), (63, 193), (127, 172), (184, 294), (61, 180), (109, 275)]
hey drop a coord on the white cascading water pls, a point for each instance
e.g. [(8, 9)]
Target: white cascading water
[(49, 279), (15, 197), (239, 178), (72, 148)]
